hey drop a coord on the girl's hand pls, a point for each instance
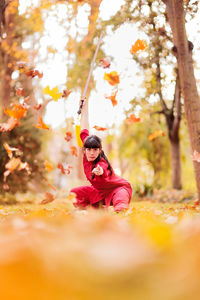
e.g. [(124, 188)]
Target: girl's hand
[(98, 170)]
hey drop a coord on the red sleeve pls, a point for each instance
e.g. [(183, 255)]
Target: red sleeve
[(84, 133)]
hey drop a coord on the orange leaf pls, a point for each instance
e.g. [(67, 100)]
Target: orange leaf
[(41, 124), (48, 166), (74, 151), (139, 45), (37, 107), (105, 63), (16, 111), (196, 156), (132, 119), (20, 92), (112, 77), (51, 186), (99, 128), (112, 97), (34, 73), (11, 123), (66, 93), (48, 198), (9, 149), (68, 136), (60, 166), (156, 134)]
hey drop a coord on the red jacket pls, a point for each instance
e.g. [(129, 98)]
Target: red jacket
[(106, 184)]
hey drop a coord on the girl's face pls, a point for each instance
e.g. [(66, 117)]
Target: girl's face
[(92, 153)]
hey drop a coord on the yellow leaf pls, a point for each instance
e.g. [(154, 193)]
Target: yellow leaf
[(53, 93)]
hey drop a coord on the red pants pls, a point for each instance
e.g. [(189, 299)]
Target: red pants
[(85, 196)]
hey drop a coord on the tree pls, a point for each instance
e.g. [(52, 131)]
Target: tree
[(183, 48)]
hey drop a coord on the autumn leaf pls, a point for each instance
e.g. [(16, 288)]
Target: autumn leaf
[(51, 186), (48, 198), (20, 92), (139, 45), (99, 128), (9, 149), (16, 110), (132, 119), (196, 156), (66, 93), (112, 97), (64, 170), (21, 64), (53, 93), (74, 151), (37, 107), (112, 77), (48, 166), (68, 136), (156, 134), (34, 73), (11, 123), (41, 124), (104, 63)]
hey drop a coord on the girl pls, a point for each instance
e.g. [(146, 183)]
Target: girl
[(106, 187)]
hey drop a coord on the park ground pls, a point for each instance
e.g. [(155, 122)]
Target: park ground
[(55, 251)]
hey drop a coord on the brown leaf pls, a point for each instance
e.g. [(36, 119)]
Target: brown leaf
[(48, 198), (105, 63)]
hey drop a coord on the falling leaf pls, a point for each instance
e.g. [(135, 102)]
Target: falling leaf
[(9, 149), (20, 92), (196, 202), (139, 45), (66, 93), (48, 166), (34, 73), (132, 119), (112, 77), (99, 128), (11, 123), (64, 170), (156, 134), (196, 156), (48, 198), (37, 107), (105, 63), (74, 151), (21, 64), (112, 97), (60, 166), (16, 110), (51, 186), (53, 93), (41, 124), (68, 136)]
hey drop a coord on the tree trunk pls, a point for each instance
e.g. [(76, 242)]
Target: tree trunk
[(176, 164), (176, 17)]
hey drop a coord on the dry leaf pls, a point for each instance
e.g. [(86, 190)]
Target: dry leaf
[(48, 198), (112, 97), (48, 166), (66, 93), (132, 119), (74, 151), (139, 45), (112, 77), (41, 124), (68, 136), (105, 63), (99, 128)]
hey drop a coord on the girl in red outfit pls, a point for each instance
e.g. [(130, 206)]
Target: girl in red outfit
[(106, 187)]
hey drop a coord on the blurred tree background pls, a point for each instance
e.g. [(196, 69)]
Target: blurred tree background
[(163, 161)]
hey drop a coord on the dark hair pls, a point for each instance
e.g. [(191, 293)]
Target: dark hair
[(93, 141)]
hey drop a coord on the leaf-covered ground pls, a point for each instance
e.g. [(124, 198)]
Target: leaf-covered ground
[(54, 251)]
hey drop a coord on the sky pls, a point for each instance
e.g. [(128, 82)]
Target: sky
[(116, 45)]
